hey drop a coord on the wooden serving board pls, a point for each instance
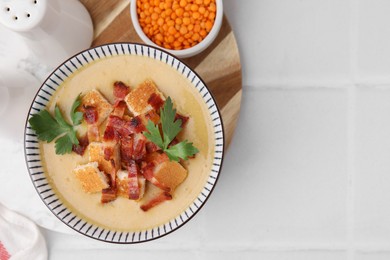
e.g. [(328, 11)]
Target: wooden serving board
[(219, 65)]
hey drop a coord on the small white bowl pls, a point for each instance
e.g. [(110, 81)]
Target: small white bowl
[(185, 53)]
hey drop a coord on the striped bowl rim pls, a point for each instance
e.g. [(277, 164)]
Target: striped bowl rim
[(33, 156)]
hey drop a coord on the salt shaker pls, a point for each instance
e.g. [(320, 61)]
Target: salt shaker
[(53, 29)]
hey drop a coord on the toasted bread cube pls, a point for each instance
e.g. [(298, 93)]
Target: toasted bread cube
[(94, 99), (137, 99), (91, 178), (122, 183), (93, 133), (170, 174), (98, 152)]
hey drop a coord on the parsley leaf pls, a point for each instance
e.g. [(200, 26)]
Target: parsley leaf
[(48, 127), (60, 119), (182, 150), (63, 144), (45, 126), (170, 129), (76, 115), (154, 134)]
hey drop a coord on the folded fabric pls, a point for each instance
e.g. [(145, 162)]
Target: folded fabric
[(20, 238)]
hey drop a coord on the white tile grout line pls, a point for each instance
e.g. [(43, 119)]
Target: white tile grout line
[(312, 85), (308, 87), (351, 166), (299, 83), (351, 172)]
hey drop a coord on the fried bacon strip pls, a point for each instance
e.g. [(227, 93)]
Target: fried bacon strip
[(133, 147), (151, 115), (164, 196), (82, 146), (110, 134), (119, 109), (151, 147), (120, 91), (124, 127), (139, 148), (155, 101), (183, 119), (91, 117), (136, 125), (108, 195), (127, 149), (134, 187)]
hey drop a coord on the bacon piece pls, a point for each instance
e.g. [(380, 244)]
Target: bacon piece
[(134, 187), (173, 142), (155, 101), (139, 150), (119, 126), (120, 91), (136, 125), (108, 195), (127, 149), (151, 115), (123, 184), (183, 119), (82, 146), (91, 117), (123, 127), (108, 153), (90, 114), (110, 134), (164, 196), (151, 147), (148, 172), (119, 109), (133, 148)]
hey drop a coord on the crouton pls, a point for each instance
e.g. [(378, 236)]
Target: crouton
[(94, 99), (107, 155), (137, 100), (93, 133), (170, 174), (91, 178)]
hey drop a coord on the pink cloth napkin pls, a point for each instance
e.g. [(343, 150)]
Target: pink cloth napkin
[(20, 238)]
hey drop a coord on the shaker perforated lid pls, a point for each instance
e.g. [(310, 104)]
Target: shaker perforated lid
[(22, 15)]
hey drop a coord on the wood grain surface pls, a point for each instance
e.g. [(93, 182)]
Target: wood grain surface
[(219, 65)]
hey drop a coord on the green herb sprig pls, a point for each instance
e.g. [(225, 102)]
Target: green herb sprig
[(49, 128), (170, 129)]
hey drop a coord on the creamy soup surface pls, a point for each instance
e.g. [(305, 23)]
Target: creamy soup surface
[(124, 214)]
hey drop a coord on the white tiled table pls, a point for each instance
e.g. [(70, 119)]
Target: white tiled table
[(308, 172)]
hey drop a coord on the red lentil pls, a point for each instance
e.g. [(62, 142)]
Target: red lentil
[(176, 24)]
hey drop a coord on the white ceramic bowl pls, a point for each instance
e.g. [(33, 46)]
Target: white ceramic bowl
[(185, 53), (34, 158)]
